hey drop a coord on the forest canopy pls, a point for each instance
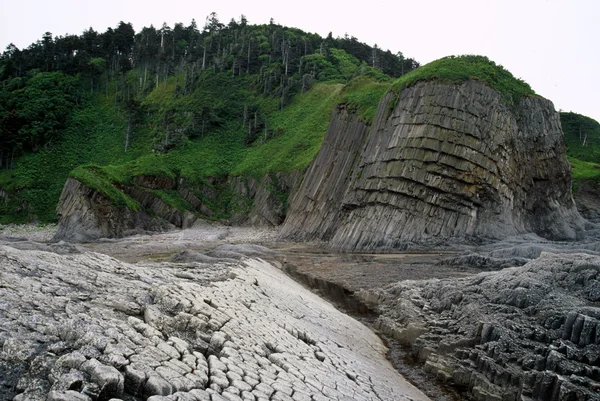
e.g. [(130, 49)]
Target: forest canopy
[(41, 84)]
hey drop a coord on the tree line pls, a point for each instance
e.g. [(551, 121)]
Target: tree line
[(41, 84)]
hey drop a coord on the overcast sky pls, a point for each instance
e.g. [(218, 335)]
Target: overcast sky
[(553, 45)]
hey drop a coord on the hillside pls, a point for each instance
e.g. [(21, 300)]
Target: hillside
[(184, 102), (173, 122), (582, 138)]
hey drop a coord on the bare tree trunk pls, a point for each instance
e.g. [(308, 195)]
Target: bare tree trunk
[(127, 136), (248, 62)]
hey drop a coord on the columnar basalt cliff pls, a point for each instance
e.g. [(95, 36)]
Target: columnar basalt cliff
[(440, 163)]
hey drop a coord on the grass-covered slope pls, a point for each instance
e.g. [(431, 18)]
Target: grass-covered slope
[(291, 144), (458, 69), (365, 95), (582, 138), (217, 124)]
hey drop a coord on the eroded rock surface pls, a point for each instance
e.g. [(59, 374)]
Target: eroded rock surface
[(446, 163), (522, 333), (88, 327), (84, 215)]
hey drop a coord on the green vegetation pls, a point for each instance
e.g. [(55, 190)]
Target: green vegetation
[(362, 96), (584, 171), (191, 104), (582, 138), (183, 102), (458, 69)]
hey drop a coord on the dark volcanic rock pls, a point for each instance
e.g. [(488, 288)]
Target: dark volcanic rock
[(587, 197), (448, 163), (523, 333), (85, 214)]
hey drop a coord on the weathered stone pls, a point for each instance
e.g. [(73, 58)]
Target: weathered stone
[(68, 395), (156, 385), (109, 379), (522, 331), (447, 164), (268, 333)]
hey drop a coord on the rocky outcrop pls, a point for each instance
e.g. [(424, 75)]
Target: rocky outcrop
[(262, 203), (587, 198), (315, 209), (440, 163), (88, 327), (522, 333), (84, 214)]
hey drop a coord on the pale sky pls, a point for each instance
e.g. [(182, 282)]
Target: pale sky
[(554, 45)]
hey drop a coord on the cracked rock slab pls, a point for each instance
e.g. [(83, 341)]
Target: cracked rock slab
[(89, 327)]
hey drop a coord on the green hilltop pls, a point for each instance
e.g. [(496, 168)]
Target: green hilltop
[(189, 103)]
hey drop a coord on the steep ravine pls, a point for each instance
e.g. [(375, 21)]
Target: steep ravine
[(441, 163)]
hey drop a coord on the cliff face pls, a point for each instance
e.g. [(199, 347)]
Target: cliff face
[(85, 214), (449, 162)]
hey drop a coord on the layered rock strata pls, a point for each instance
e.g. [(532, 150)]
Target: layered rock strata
[(85, 214), (522, 333), (440, 163), (88, 327)]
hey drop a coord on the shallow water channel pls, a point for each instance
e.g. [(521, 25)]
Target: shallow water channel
[(337, 276)]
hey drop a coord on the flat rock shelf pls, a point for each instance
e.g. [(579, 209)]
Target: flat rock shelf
[(90, 327)]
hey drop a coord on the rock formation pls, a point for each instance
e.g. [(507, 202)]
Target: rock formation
[(440, 163), (85, 214), (86, 327), (522, 333)]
